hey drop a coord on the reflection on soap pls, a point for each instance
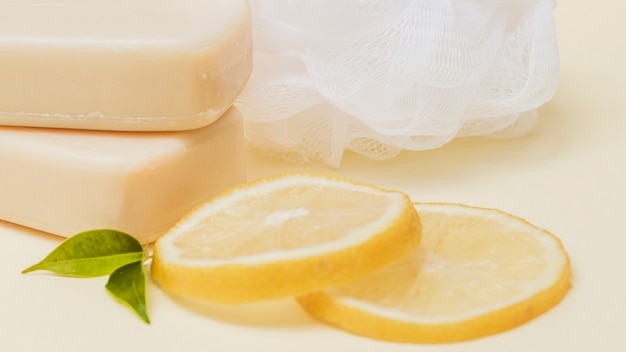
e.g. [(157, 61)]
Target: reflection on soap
[(136, 65), (67, 181)]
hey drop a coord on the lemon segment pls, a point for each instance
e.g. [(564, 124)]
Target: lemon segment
[(477, 272), (282, 236)]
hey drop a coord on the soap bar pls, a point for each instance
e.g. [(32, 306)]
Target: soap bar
[(132, 65), (64, 181)]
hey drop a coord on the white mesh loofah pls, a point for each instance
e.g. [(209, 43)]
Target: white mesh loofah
[(380, 76)]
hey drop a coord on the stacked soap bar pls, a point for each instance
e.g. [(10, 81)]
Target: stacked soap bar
[(118, 114)]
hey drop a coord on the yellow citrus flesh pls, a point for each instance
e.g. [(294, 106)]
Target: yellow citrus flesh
[(282, 236), (477, 272)]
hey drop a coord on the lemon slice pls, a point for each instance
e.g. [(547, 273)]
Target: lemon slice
[(284, 235), (477, 272)]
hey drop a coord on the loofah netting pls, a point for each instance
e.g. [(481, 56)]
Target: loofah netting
[(378, 77)]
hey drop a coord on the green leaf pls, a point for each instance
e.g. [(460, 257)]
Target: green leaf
[(128, 285), (91, 253)]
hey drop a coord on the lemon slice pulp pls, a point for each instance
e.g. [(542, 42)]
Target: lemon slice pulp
[(477, 272), (282, 236)]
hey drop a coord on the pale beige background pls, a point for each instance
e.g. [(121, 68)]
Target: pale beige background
[(568, 175)]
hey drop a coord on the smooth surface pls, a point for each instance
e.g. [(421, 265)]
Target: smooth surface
[(568, 175), (134, 65), (67, 181)]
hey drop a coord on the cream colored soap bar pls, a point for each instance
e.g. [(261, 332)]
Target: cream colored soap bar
[(137, 65), (66, 181)]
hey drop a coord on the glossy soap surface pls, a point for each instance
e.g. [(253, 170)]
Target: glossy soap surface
[(135, 65), (65, 181)]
